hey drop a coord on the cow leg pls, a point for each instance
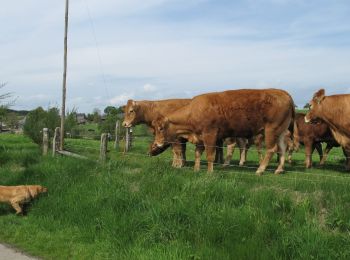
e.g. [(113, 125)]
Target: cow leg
[(258, 140), (326, 152), (290, 148), (242, 144), (209, 140), (177, 155), (346, 152), (198, 153), (318, 147), (230, 151), (271, 147), (282, 146), (183, 149), (308, 154), (219, 155)]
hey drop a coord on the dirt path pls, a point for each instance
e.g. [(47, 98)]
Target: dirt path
[(7, 253)]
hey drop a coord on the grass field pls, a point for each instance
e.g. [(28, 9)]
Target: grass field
[(137, 207)]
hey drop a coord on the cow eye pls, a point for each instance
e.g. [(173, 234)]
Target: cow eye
[(131, 111)]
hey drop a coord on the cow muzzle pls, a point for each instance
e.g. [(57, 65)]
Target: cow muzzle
[(126, 124), (156, 149)]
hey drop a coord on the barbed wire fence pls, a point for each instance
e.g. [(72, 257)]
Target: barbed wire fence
[(87, 147)]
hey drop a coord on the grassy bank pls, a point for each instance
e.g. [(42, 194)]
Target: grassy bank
[(136, 207)]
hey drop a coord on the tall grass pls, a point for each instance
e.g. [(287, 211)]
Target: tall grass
[(138, 207)]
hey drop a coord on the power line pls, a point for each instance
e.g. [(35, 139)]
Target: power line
[(92, 24)]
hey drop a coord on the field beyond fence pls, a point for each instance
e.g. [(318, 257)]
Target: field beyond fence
[(139, 207)]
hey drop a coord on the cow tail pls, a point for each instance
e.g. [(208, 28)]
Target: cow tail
[(295, 132)]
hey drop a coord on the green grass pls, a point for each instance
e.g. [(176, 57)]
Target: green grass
[(138, 207)]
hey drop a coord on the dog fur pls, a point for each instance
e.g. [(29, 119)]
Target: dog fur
[(16, 196)]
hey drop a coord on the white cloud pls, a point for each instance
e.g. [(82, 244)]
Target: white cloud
[(183, 54), (37, 97), (121, 99), (149, 88)]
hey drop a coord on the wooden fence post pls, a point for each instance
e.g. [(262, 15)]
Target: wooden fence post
[(45, 141), (117, 133), (103, 147), (128, 139), (56, 141)]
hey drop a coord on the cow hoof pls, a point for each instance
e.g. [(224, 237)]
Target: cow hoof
[(241, 164), (259, 172), (277, 172)]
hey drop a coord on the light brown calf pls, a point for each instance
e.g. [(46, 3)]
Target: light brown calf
[(334, 111), (144, 112)]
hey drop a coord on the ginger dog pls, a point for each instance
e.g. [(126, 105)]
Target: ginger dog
[(16, 196)]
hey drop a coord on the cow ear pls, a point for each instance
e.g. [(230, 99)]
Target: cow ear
[(319, 96)]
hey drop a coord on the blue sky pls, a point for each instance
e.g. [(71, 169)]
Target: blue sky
[(160, 49)]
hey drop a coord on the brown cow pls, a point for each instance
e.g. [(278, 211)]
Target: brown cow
[(334, 111), (311, 136), (244, 113), (144, 112)]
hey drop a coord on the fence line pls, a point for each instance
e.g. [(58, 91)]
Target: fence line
[(129, 139), (263, 150), (229, 166), (255, 168)]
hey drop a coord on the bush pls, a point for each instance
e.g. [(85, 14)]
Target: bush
[(108, 125), (37, 120)]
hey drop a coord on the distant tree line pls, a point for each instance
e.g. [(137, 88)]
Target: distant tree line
[(40, 118)]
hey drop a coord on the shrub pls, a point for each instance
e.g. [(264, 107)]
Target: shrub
[(37, 120)]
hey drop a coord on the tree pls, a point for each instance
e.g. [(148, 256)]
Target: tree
[(71, 123), (307, 106), (111, 117), (4, 105), (11, 120), (110, 109), (96, 115), (38, 119)]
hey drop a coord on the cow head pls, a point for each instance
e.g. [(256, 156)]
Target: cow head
[(155, 150), (315, 106), (160, 126), (130, 113)]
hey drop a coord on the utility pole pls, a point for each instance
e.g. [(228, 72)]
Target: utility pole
[(63, 109)]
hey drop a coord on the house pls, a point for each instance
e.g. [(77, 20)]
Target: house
[(81, 118)]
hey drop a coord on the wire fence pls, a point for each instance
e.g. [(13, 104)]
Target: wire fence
[(90, 147), (150, 140)]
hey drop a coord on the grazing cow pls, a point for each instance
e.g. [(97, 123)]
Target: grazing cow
[(311, 136), (334, 111), (234, 113), (144, 112)]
